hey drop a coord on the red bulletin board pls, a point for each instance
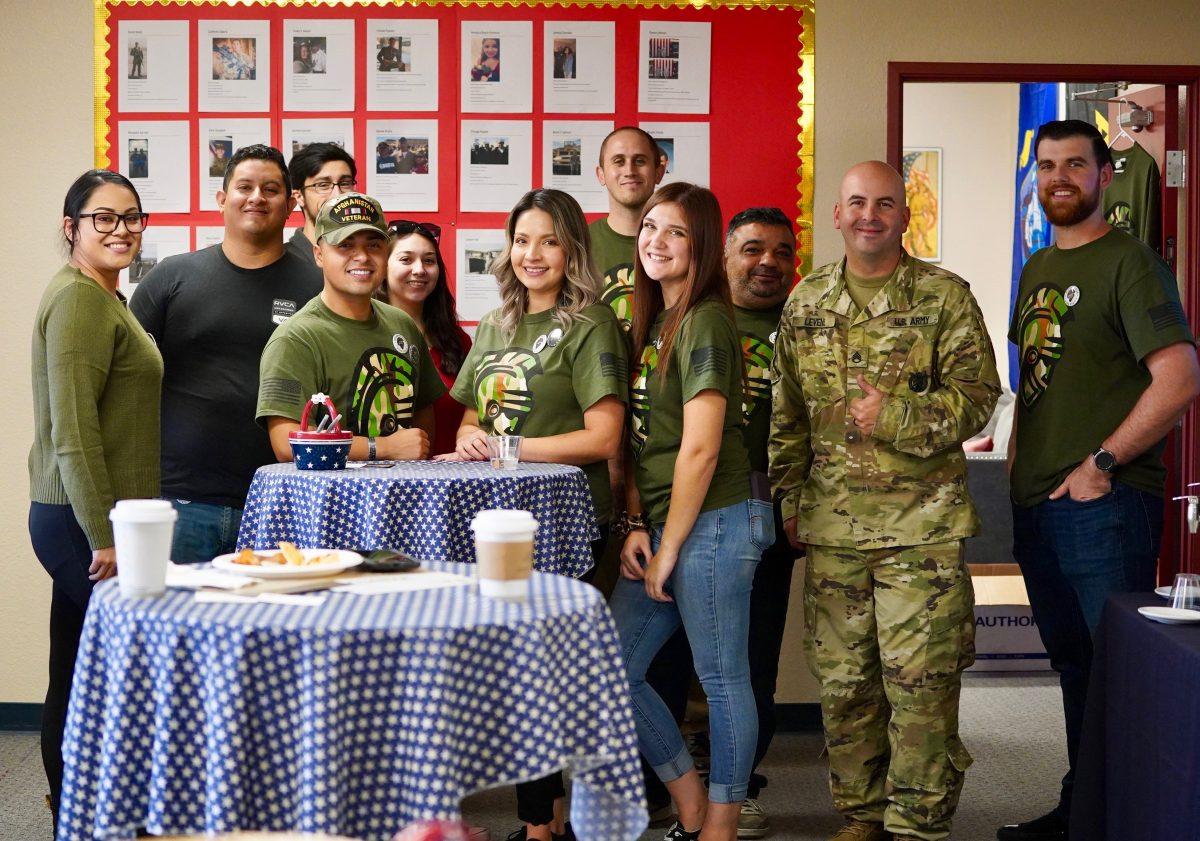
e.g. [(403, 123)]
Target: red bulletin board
[(760, 113)]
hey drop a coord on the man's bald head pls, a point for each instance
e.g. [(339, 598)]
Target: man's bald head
[(872, 215)]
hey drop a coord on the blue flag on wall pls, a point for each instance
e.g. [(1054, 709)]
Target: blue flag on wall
[(1031, 229)]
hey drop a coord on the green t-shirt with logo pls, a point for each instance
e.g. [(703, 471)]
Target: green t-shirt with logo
[(706, 355), (540, 381), (378, 372), (757, 329), (1085, 318), (613, 254), (1132, 201)]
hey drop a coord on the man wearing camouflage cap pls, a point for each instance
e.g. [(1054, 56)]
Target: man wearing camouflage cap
[(369, 357), (882, 368)]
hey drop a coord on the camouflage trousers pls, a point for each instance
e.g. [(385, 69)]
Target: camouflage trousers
[(889, 634)]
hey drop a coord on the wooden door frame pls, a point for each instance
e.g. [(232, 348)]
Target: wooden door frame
[(1179, 547)]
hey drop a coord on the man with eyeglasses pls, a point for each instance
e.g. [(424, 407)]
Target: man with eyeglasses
[(317, 171), (211, 313)]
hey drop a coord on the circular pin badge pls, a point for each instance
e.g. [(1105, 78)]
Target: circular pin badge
[(918, 382), (539, 344), (554, 337), (658, 343), (773, 337), (1071, 296), (400, 344)]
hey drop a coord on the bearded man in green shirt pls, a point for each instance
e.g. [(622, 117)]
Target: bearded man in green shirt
[(368, 356)]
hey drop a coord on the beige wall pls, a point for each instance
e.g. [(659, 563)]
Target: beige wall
[(46, 141), (975, 125)]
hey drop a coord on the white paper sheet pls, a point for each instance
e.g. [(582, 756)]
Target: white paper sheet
[(154, 156), (299, 133), (402, 164), (496, 69), (217, 141), (476, 291), (408, 583), (570, 150), (578, 67), (497, 165), (673, 67), (233, 60), (687, 149), (207, 235), (158, 243), (318, 65), (152, 65), (402, 65), (195, 576)]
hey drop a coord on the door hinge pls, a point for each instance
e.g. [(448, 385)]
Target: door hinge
[(1176, 174)]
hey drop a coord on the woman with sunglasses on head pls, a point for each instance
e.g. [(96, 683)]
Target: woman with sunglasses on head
[(418, 284), (696, 534), (97, 376), (548, 365)]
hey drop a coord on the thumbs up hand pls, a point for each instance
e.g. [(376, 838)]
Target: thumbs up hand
[(865, 410)]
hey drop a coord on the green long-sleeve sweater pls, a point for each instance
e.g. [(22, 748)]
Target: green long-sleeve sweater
[(97, 376)]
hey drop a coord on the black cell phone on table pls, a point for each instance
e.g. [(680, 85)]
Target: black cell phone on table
[(387, 560)]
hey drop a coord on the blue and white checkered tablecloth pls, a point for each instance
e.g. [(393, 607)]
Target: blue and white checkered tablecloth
[(353, 718), (423, 508)]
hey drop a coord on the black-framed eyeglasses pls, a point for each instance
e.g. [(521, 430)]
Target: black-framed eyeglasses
[(105, 222), (404, 227), (324, 187)]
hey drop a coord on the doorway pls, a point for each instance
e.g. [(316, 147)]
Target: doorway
[(923, 96)]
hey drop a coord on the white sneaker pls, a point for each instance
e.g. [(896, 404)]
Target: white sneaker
[(752, 822)]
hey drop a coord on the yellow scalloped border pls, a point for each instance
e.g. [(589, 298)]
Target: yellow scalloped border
[(805, 70)]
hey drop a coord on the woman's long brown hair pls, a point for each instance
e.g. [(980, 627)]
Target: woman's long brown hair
[(706, 272)]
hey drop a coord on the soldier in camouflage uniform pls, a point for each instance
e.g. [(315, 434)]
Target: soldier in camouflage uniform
[(882, 368)]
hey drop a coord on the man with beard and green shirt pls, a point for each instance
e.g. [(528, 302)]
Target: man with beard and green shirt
[(1108, 367), (760, 260), (370, 358)]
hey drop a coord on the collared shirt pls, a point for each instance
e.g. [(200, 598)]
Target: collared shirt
[(923, 343)]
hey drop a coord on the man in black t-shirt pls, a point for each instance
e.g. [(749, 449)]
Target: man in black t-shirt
[(317, 171), (211, 313), (1108, 366)]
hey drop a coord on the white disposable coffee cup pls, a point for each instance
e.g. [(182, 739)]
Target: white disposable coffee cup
[(142, 531), (504, 552)]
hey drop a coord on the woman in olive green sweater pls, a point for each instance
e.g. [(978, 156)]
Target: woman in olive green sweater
[(96, 381)]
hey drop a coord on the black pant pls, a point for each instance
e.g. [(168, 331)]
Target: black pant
[(535, 799), (670, 673), (62, 548)]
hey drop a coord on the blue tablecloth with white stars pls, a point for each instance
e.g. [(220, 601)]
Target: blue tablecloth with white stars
[(423, 508), (353, 718)]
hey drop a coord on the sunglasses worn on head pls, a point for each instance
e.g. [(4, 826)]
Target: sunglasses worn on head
[(403, 227)]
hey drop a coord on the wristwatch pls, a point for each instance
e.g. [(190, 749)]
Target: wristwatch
[(1105, 461), (371, 448)]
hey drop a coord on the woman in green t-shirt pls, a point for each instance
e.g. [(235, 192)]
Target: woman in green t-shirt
[(550, 365), (97, 376), (696, 535)]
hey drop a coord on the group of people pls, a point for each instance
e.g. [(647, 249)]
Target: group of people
[(308, 55), (726, 423)]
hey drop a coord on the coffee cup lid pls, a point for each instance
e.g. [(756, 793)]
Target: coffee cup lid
[(501, 523), (142, 511)]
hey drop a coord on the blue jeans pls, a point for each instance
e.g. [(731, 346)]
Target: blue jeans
[(711, 586), (1074, 555), (203, 531)]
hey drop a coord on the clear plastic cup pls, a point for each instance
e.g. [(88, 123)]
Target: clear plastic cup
[(504, 451), (1185, 595), (142, 531)]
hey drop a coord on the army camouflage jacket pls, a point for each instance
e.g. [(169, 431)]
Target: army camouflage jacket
[(922, 342)]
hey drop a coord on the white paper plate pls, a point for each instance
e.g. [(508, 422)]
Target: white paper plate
[(344, 560), (1170, 615), (1165, 591)]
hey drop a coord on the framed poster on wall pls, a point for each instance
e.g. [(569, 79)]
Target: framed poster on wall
[(922, 171)]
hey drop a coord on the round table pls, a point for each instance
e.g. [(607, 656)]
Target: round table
[(423, 508), (355, 717)]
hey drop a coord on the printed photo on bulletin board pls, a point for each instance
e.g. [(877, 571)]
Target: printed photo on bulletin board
[(922, 170)]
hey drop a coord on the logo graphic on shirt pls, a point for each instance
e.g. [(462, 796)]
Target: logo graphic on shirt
[(618, 293), (282, 309), (756, 356), (1039, 330), (383, 393), (502, 389), (1120, 216), (639, 426)]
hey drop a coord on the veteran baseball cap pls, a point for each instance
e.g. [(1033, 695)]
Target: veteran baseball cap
[(347, 214)]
